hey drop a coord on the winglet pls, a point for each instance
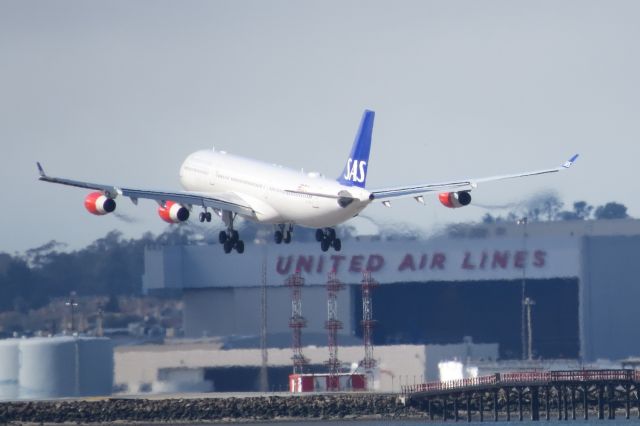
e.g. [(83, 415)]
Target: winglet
[(570, 161), (41, 170)]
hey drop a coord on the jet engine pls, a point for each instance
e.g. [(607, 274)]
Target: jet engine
[(453, 200), (99, 204), (173, 212)]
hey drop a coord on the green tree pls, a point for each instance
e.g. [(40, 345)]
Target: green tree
[(611, 210)]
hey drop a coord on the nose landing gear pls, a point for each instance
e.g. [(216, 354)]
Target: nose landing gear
[(327, 238)]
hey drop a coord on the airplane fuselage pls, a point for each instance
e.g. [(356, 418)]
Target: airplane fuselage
[(277, 194)]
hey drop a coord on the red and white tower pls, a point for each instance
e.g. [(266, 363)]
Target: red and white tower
[(296, 322), (368, 284), (332, 325)]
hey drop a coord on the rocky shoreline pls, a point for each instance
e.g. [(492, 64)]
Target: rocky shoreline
[(217, 410)]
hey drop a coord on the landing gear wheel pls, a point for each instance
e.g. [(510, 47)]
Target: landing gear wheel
[(202, 216), (319, 235), (234, 235), (228, 246), (324, 245), (331, 234), (240, 247), (277, 236), (207, 216), (287, 237), (222, 237), (337, 244)]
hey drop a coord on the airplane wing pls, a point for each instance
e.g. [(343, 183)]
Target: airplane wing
[(226, 201), (458, 185)]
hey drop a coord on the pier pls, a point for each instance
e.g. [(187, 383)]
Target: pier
[(562, 395)]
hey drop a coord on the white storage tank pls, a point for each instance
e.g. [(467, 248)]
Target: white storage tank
[(47, 367), (96, 366), (54, 367), (9, 369)]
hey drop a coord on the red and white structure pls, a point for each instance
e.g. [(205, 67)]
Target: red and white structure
[(296, 322), (299, 383), (332, 325), (368, 284)]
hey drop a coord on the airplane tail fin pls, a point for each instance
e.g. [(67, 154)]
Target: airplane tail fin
[(355, 171)]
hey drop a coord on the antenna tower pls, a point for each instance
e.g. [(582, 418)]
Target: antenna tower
[(368, 284), (332, 325), (296, 322)]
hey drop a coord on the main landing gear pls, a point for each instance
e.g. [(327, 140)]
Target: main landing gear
[(327, 238), (205, 216), (230, 239), (283, 234)]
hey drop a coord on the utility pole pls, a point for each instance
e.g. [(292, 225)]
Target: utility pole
[(100, 322), (523, 288), (264, 377), (72, 304), (528, 302)]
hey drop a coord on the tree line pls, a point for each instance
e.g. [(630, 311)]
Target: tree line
[(113, 265), (551, 208)]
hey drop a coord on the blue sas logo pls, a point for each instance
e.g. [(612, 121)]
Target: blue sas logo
[(356, 171)]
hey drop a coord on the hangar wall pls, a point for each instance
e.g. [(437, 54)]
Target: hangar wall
[(436, 291), (611, 293)]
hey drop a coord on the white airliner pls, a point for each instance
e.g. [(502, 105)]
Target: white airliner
[(232, 186)]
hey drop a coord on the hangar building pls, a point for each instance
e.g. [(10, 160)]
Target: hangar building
[(582, 276)]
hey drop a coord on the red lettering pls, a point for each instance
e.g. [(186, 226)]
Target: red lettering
[(520, 259), (375, 263), (407, 263), (320, 265), (500, 259), (336, 262), (284, 269), (438, 261), (356, 263), (305, 263), (539, 258), (483, 259), (423, 262), (466, 263)]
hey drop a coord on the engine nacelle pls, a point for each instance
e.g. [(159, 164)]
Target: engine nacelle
[(99, 204), (453, 200), (173, 212)]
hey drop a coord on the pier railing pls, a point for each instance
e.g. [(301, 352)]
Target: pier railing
[(525, 377)]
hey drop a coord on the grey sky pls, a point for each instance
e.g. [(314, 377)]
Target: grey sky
[(120, 92)]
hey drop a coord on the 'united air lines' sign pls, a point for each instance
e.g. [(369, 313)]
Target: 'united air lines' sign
[(389, 261), (411, 261)]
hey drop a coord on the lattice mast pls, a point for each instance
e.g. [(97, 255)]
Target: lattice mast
[(368, 284), (296, 322), (332, 325)]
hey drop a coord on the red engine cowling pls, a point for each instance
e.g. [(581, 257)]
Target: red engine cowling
[(173, 212), (453, 200), (99, 204)]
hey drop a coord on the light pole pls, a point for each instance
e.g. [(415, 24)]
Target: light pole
[(264, 355), (72, 304), (523, 287), (529, 303)]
